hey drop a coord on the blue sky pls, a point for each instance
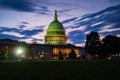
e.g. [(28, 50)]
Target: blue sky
[(27, 20)]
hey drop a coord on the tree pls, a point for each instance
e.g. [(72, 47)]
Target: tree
[(72, 55), (5, 55), (60, 56), (93, 43), (111, 45), (0, 55)]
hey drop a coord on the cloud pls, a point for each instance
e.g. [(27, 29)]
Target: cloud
[(39, 27), (28, 40), (104, 22), (87, 32), (114, 0), (21, 26), (96, 24), (80, 29), (2, 29), (118, 35), (101, 36), (31, 40), (20, 34), (24, 22), (31, 32), (76, 36), (19, 5), (39, 38), (69, 20), (13, 34), (42, 10), (81, 44), (23, 6), (39, 35), (109, 30)]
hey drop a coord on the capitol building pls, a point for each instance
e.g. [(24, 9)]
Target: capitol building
[(55, 43)]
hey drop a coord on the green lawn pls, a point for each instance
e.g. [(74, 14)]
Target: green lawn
[(60, 70)]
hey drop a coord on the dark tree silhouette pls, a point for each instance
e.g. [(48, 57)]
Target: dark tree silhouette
[(60, 56), (72, 55), (93, 43), (111, 45), (4, 55)]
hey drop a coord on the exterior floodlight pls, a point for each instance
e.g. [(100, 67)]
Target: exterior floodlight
[(19, 51)]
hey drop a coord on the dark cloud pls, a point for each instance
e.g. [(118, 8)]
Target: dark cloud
[(99, 21), (24, 32), (76, 36), (21, 26), (108, 16), (69, 20), (3, 36), (2, 29), (42, 10), (31, 32), (23, 5), (67, 10), (114, 0), (24, 22), (38, 27), (19, 5), (37, 40)]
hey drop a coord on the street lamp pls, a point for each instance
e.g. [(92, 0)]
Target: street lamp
[(19, 52)]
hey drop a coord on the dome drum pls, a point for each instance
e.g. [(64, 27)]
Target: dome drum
[(56, 39), (55, 32)]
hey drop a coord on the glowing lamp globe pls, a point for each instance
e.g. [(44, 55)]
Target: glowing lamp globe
[(19, 51)]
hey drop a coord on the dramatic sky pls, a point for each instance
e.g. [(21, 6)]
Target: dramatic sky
[(27, 20)]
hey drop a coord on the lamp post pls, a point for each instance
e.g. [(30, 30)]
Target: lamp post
[(20, 53)]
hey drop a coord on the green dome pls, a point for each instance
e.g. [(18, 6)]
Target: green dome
[(55, 25), (55, 33)]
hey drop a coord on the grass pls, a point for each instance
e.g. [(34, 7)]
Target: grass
[(60, 70)]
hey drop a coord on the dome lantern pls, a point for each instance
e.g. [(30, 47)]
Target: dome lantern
[(55, 16)]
